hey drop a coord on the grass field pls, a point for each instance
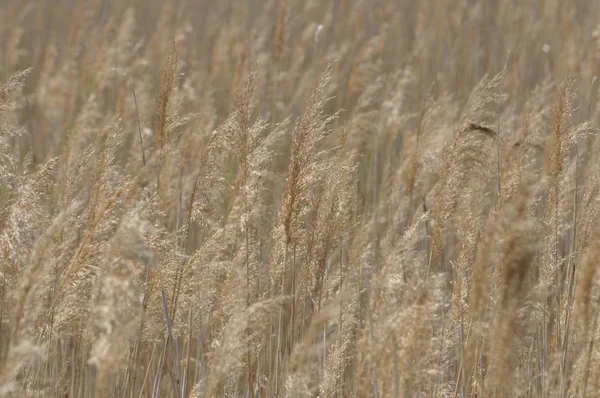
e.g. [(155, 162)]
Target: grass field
[(299, 198)]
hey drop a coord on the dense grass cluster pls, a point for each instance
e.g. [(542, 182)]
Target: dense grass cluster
[(269, 198)]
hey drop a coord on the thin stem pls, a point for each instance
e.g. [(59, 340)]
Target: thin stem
[(498, 188), (280, 323), (30, 125), (137, 117)]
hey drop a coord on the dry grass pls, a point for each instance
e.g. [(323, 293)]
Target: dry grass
[(299, 198)]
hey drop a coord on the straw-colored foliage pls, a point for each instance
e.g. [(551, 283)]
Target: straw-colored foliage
[(290, 198)]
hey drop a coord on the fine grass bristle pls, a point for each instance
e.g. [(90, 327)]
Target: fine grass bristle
[(299, 199)]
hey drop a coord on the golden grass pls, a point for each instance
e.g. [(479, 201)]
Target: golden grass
[(299, 198)]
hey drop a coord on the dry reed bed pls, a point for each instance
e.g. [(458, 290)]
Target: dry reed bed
[(299, 198)]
